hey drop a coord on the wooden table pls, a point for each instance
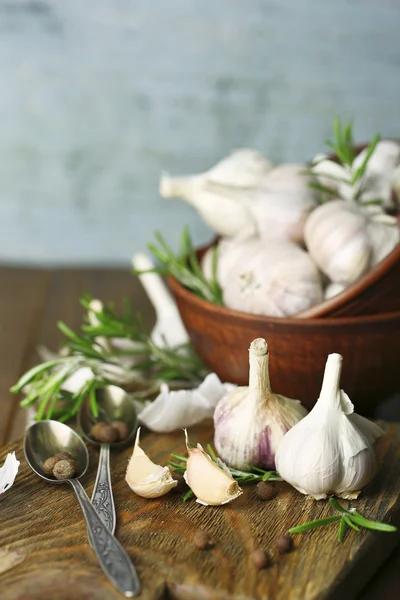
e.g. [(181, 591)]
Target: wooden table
[(31, 302)]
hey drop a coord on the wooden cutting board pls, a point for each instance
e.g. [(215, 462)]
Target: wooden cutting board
[(44, 551)]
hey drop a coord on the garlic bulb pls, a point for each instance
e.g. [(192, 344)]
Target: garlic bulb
[(282, 203), (333, 289), (330, 451), (345, 242), (250, 422), (266, 277), (211, 483), (146, 478), (222, 194)]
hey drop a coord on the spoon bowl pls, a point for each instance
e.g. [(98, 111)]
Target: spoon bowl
[(46, 438), (114, 404)]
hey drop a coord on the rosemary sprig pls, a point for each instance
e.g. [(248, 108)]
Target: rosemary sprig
[(254, 475), (185, 267), (344, 148), (92, 348), (347, 519)]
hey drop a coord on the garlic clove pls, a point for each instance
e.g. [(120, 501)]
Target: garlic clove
[(146, 478), (211, 483)]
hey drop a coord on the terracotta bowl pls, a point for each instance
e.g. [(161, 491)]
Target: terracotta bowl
[(370, 346)]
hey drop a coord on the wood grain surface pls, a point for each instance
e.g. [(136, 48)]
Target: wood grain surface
[(43, 549), (44, 539)]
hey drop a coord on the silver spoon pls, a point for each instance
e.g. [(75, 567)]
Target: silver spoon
[(114, 404), (44, 439)]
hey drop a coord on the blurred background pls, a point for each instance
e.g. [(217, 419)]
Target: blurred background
[(97, 98)]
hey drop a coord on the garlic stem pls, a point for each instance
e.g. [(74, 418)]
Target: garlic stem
[(331, 381), (259, 372), (173, 187)]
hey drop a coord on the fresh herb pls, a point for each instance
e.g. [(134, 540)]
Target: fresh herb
[(185, 267), (346, 519), (253, 475), (94, 348), (345, 150)]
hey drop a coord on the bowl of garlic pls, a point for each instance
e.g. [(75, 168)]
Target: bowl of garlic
[(307, 257), (317, 240)]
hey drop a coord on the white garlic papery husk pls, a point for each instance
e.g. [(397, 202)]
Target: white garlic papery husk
[(345, 241), (211, 482), (8, 472), (333, 289), (268, 277), (281, 205), (330, 452), (222, 195), (251, 421), (146, 478)]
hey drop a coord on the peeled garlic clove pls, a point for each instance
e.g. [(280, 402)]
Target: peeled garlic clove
[(146, 478), (211, 483)]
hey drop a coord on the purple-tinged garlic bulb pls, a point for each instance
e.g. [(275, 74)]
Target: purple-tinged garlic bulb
[(251, 421)]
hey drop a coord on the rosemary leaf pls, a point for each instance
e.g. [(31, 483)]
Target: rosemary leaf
[(342, 529)]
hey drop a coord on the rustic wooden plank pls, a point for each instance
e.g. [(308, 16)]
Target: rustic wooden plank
[(64, 289), (43, 533), (22, 299)]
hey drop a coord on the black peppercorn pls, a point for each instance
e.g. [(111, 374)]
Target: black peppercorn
[(122, 429), (63, 455), (260, 559), (49, 465), (64, 469), (104, 432), (202, 539)]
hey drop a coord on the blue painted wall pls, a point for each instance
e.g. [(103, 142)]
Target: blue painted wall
[(97, 97)]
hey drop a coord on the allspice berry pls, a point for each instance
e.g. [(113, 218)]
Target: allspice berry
[(260, 559), (284, 544), (63, 455), (104, 432), (63, 469), (202, 539), (266, 491), (122, 429), (49, 465)]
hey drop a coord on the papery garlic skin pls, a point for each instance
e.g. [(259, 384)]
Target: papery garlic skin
[(345, 241), (211, 483), (222, 195), (274, 278), (330, 451), (251, 421), (146, 478)]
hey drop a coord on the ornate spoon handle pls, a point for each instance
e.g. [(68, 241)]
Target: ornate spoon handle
[(113, 559), (102, 496)]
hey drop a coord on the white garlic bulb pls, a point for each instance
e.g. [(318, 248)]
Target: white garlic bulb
[(211, 482), (266, 277), (330, 451), (251, 421), (345, 242), (222, 194), (146, 478), (333, 289)]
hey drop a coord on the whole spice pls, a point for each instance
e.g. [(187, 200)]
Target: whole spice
[(63, 469), (146, 478), (181, 486), (121, 428), (329, 452), (251, 421), (266, 491), (202, 539), (260, 559), (63, 455), (284, 544), (49, 465), (211, 482), (104, 433)]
